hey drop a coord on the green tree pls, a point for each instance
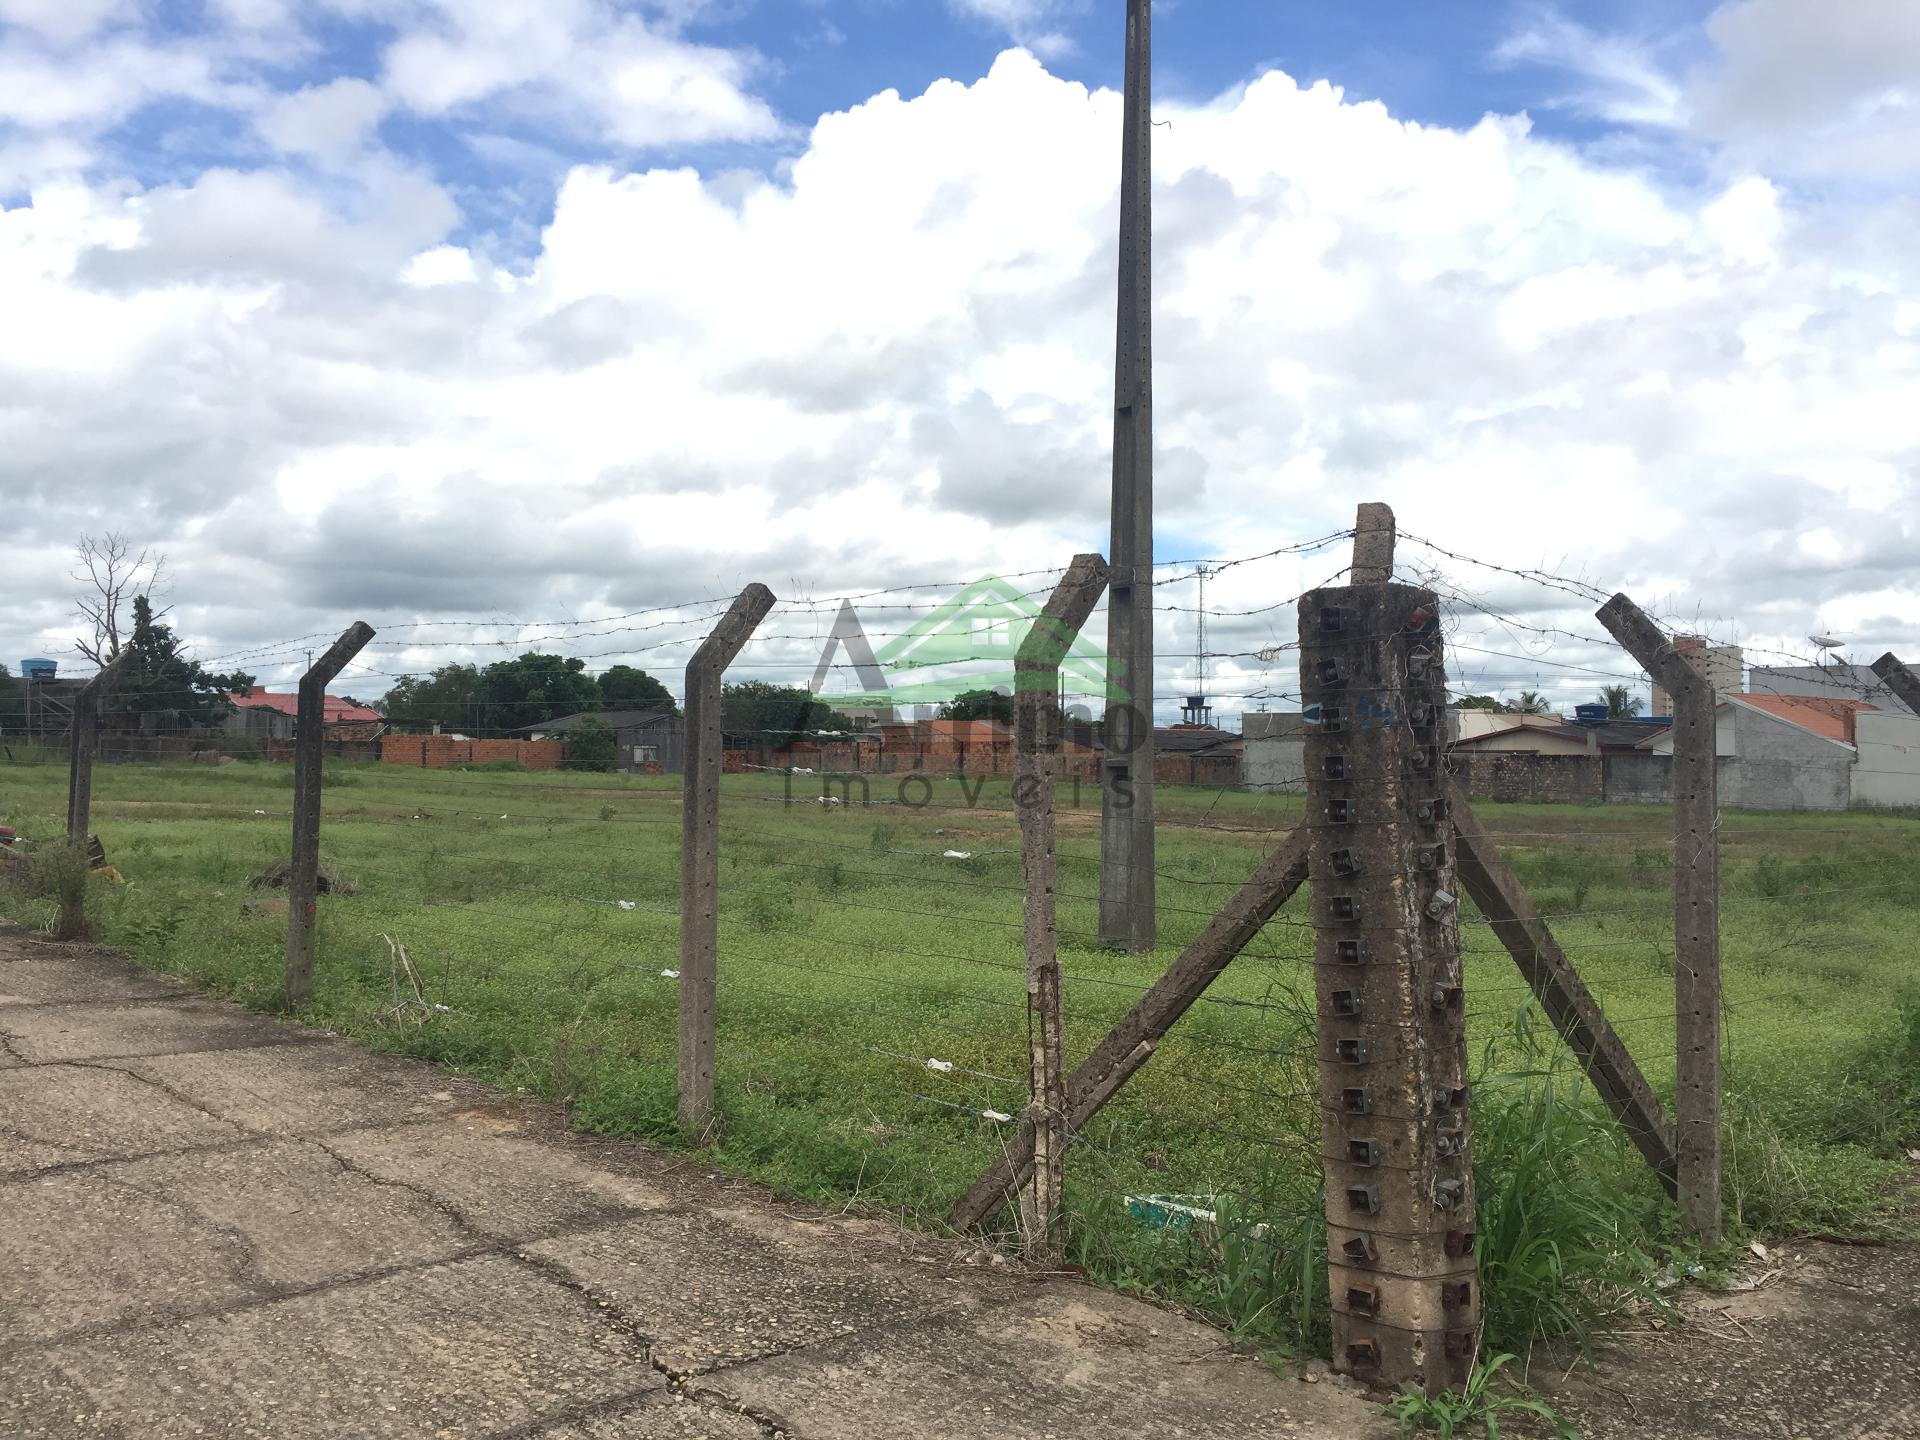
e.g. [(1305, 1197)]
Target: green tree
[(1480, 702), (979, 705), (775, 715), (623, 687), (591, 745), (513, 694), (1531, 702), (157, 680), (1621, 703), (449, 698)]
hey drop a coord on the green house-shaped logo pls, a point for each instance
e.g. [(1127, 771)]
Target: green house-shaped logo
[(967, 643)]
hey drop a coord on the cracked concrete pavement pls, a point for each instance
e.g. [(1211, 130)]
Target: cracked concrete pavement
[(220, 1224)]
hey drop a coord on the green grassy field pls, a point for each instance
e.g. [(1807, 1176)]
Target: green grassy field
[(853, 949)]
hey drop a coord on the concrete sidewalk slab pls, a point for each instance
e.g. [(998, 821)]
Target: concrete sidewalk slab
[(182, 1234), (308, 1086), (660, 1417), (40, 1033), (473, 1348), (54, 978), (710, 1291), (1060, 1360), (72, 1114), (501, 1183)]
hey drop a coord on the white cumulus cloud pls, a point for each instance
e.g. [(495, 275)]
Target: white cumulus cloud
[(891, 361)]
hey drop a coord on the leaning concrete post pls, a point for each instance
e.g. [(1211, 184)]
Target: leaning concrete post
[(1696, 911), (1387, 977), (700, 854), (309, 750), (1036, 763), (1899, 679)]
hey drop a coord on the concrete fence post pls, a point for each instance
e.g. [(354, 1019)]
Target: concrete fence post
[(1696, 911), (1396, 1142), (700, 855), (83, 738), (309, 750), (1036, 765)]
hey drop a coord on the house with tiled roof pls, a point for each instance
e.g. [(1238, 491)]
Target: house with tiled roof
[(1810, 752), (269, 715)]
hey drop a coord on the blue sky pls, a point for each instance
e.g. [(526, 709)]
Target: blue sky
[(1445, 62)]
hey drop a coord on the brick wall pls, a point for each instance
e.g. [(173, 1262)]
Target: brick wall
[(441, 752), (1211, 771), (1546, 779)]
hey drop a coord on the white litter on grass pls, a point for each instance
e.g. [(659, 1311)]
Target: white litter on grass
[(444, 1009), (669, 974), (802, 770), (830, 800), (259, 812), (956, 854), (999, 1115), (624, 904), (943, 1066)]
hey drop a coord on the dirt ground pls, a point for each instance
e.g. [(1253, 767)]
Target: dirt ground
[(1816, 1342)]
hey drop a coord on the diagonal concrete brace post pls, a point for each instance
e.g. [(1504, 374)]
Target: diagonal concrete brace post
[(1136, 1035), (700, 855), (1036, 720), (1696, 911), (309, 750), (1493, 886)]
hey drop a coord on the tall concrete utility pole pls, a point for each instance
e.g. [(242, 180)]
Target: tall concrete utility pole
[(1126, 797)]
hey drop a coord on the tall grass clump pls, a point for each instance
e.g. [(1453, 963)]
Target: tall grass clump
[(1568, 1213), (54, 877)]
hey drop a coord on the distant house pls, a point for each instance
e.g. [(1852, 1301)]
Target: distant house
[(1196, 755), (269, 715), (1793, 752), (1528, 735), (641, 738)]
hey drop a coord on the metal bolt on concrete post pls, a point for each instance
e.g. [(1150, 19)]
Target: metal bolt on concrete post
[(1387, 969), (309, 751), (700, 856)]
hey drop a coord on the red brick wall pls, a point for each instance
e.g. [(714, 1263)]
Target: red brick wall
[(441, 752)]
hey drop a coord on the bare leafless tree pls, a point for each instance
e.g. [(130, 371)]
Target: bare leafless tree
[(113, 575)]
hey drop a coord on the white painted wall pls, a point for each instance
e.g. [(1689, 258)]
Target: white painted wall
[(1888, 769)]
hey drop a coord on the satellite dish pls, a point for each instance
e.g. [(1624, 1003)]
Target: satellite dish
[(1825, 642)]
